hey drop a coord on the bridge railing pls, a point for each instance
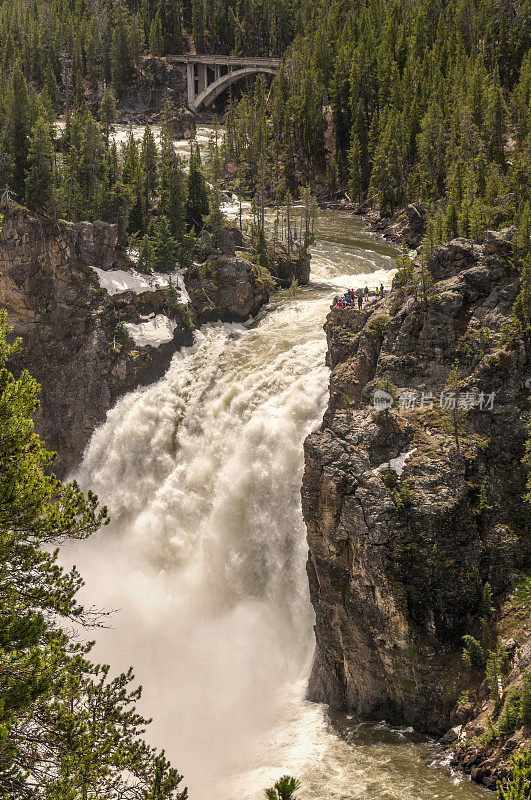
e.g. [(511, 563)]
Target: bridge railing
[(224, 60)]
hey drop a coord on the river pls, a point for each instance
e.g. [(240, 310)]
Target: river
[(205, 555)]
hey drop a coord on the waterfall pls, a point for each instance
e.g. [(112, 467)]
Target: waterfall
[(206, 552), (204, 559)]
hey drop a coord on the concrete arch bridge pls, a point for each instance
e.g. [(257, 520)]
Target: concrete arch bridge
[(208, 76)]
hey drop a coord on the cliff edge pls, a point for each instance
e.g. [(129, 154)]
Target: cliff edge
[(93, 328), (417, 530)]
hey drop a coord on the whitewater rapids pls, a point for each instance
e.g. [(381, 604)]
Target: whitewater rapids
[(205, 556)]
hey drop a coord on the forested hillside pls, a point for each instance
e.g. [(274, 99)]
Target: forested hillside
[(393, 102), (58, 41), (429, 101)]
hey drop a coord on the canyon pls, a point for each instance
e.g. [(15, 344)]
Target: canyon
[(397, 563), (399, 558)]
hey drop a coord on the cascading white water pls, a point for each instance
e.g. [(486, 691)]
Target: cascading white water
[(205, 556)]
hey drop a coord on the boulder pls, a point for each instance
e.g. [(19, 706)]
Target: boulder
[(499, 242)]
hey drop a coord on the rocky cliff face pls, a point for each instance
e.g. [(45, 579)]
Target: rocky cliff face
[(412, 510), (75, 334), (153, 85), (73, 340), (226, 284), (156, 84)]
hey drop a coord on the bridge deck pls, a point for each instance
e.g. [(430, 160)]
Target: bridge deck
[(231, 61)]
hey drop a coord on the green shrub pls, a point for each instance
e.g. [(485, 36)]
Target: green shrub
[(378, 325), (406, 278), (509, 719), (403, 498), (473, 655), (284, 789), (386, 385), (525, 698), (389, 477), (483, 501), (201, 270), (262, 277), (181, 310), (485, 337), (519, 783), (491, 734), (186, 316), (120, 333)]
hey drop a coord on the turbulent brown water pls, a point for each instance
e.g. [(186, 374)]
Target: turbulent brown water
[(205, 556)]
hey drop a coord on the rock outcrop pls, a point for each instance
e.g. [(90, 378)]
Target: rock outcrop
[(414, 511), (74, 342), (407, 225), (77, 338), (225, 282), (156, 83)]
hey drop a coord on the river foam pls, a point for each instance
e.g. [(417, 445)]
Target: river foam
[(205, 555)]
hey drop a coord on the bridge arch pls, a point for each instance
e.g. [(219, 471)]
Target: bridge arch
[(213, 90)]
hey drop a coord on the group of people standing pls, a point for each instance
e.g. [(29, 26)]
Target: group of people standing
[(353, 296)]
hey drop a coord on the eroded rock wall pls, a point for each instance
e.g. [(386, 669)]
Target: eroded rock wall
[(398, 561), (73, 342), (225, 283)]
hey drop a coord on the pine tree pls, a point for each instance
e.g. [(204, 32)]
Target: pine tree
[(198, 24), (473, 655), (120, 56), (18, 131), (173, 198), (197, 205), (156, 41), (406, 278), (165, 248), (108, 113), (146, 255), (497, 114), (50, 85), (39, 177), (91, 163), (432, 143), (525, 698), (355, 168), (132, 178), (149, 163)]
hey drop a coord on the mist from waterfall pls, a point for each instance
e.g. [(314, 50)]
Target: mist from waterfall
[(205, 555)]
